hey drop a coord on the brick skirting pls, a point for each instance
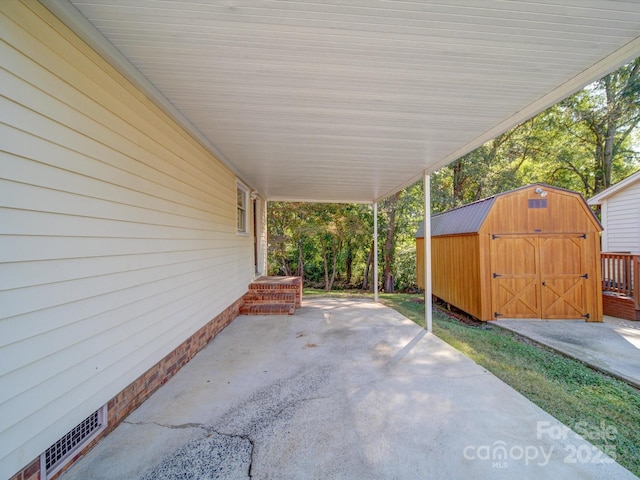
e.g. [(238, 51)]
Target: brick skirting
[(620, 307), (140, 389)]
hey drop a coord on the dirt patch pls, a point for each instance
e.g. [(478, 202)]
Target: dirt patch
[(458, 315)]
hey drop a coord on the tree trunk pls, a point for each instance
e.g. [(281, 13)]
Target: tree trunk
[(367, 269), (326, 268), (300, 262), (458, 181), (333, 266), (285, 266), (349, 265), (328, 281), (390, 242)]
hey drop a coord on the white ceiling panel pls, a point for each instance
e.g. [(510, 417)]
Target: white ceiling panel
[(352, 100)]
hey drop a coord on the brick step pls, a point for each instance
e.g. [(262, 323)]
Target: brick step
[(268, 297), (286, 295), (268, 309), (272, 296), (279, 284)]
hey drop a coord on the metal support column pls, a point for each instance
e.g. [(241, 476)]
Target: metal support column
[(375, 251), (428, 313)]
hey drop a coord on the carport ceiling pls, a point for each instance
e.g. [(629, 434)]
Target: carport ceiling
[(352, 100)]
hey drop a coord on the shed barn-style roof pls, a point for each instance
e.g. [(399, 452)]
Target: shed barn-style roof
[(469, 218)]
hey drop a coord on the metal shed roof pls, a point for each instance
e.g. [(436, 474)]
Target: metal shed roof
[(465, 219)]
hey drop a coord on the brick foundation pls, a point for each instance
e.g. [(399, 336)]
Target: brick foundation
[(620, 307), (140, 389)]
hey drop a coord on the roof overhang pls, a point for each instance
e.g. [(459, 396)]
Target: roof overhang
[(612, 190), (352, 101)]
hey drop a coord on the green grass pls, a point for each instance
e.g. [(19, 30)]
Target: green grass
[(575, 394)]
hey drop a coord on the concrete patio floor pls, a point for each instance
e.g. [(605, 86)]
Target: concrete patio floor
[(343, 389), (612, 346)]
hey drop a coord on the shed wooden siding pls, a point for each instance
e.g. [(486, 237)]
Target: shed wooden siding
[(455, 276), (117, 233), (462, 263), (566, 213)]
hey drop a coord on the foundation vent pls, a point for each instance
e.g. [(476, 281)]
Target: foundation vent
[(61, 452)]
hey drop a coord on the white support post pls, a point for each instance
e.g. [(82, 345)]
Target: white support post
[(375, 251), (428, 313)]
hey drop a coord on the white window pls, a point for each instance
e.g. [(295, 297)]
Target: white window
[(243, 208)]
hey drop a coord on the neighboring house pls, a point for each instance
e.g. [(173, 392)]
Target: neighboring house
[(127, 245), (532, 252), (620, 209)]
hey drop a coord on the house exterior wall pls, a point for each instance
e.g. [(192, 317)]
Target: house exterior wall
[(621, 221), (118, 234)]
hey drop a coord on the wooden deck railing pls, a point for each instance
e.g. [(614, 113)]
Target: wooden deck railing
[(621, 275)]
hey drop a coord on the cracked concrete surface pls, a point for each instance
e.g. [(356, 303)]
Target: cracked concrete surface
[(185, 425), (376, 397)]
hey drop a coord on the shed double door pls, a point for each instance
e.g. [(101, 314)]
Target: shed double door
[(539, 276)]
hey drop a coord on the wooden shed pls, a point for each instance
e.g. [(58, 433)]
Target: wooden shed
[(533, 252)]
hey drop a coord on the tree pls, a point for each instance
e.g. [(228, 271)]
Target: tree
[(318, 241), (602, 117), (584, 143), (388, 210)]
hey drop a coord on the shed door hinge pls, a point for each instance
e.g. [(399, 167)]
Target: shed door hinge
[(586, 275), (496, 275), (496, 314), (494, 236), (587, 316), (584, 235)]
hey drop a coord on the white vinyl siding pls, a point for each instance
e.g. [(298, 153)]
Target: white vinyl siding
[(622, 223), (117, 234)]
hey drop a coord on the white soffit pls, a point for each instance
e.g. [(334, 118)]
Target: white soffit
[(353, 100)]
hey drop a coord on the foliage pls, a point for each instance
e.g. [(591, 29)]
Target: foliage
[(318, 241), (584, 143)]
